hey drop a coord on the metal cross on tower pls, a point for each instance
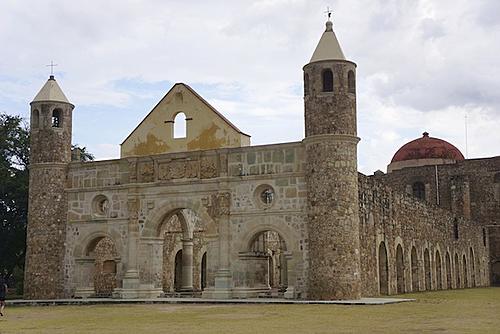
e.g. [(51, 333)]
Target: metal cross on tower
[(328, 12), (51, 67)]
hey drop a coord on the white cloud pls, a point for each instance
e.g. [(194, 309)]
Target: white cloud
[(421, 65)]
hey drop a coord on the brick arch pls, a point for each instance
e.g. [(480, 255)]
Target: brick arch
[(438, 261), (414, 265), (449, 270), (82, 245), (400, 268), (286, 233), (291, 238), (383, 268), (155, 219), (427, 269), (472, 265)]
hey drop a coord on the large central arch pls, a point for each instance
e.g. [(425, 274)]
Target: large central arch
[(156, 217), (181, 244)]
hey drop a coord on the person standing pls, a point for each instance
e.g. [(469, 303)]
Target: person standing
[(3, 293)]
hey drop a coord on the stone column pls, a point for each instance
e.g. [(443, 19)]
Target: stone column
[(131, 281), (187, 265), (290, 275), (218, 207), (223, 276)]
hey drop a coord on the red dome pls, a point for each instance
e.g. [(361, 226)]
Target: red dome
[(427, 148)]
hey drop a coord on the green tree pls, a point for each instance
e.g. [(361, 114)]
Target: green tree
[(81, 154), (14, 161)]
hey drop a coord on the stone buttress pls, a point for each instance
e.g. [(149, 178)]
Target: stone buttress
[(50, 153), (331, 172)]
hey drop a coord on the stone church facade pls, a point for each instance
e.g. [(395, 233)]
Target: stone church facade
[(204, 213)]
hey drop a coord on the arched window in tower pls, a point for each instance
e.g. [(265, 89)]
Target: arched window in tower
[(180, 126), (306, 84), (35, 121), (351, 82), (57, 118), (455, 229), (327, 80), (419, 190)]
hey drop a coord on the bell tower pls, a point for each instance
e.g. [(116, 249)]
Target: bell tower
[(50, 153), (331, 172)]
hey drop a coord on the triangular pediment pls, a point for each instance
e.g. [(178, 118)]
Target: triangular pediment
[(206, 128)]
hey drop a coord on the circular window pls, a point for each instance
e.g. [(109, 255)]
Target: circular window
[(265, 195), (101, 205)]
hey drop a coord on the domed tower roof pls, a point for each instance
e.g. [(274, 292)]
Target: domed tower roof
[(51, 92), (425, 151), (328, 47)]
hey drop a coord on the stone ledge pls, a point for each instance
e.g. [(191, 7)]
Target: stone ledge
[(95, 301)]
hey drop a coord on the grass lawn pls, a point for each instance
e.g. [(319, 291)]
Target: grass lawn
[(455, 311)]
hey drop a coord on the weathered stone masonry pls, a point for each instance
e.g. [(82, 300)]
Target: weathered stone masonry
[(49, 157), (293, 220)]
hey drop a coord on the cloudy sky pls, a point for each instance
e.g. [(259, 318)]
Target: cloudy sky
[(423, 65)]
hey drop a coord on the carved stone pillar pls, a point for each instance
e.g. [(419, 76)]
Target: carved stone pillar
[(218, 208), (131, 277)]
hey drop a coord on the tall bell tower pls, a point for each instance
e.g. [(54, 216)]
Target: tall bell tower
[(331, 173), (50, 153)]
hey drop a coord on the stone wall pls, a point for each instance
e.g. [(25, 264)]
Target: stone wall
[(163, 184), (391, 218), (469, 188), (98, 193), (105, 278)]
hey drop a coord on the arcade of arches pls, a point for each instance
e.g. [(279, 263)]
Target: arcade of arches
[(426, 272)]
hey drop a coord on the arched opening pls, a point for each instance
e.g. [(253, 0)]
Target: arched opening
[(414, 270), (448, 271), (35, 121), (495, 273), (439, 272), (57, 118), (455, 229), (327, 80), (400, 271), (266, 262), (306, 84), (178, 271), (466, 278), (427, 269), (351, 82), (180, 125), (457, 272), (181, 229), (418, 189), (472, 269), (383, 269), (203, 271), (105, 255)]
